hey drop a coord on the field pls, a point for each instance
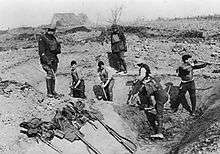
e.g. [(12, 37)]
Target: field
[(160, 43)]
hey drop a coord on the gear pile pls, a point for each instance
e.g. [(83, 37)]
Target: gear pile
[(66, 124)]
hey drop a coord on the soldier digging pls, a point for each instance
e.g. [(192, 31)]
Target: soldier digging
[(147, 86), (49, 48), (107, 81), (77, 87)]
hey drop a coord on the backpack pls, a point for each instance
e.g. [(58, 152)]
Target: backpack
[(98, 91)]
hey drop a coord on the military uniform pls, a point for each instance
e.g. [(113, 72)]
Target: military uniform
[(185, 72), (118, 47), (78, 91), (152, 87), (49, 48), (104, 75)]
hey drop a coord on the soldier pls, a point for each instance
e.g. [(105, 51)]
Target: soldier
[(151, 87), (77, 88), (49, 48), (185, 72), (118, 46), (107, 81)]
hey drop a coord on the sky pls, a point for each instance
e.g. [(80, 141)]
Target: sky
[(14, 13)]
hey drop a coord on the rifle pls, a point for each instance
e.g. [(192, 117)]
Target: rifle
[(118, 137), (211, 63), (79, 135), (48, 144), (136, 86), (68, 127)]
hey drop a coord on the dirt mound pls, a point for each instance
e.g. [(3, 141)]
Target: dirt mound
[(135, 119), (77, 29), (203, 129)]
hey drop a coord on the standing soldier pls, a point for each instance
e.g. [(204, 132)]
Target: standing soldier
[(77, 88), (185, 72), (49, 48), (107, 81), (118, 46)]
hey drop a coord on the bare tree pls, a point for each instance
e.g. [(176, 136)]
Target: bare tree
[(116, 14)]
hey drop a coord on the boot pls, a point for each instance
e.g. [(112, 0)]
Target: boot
[(56, 95), (49, 88)]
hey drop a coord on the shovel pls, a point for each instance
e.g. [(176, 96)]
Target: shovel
[(104, 93)]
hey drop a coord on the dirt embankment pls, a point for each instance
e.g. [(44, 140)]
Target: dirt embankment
[(21, 104)]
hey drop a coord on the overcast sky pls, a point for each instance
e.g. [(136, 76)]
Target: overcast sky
[(15, 13)]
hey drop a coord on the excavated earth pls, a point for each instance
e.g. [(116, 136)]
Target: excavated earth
[(22, 94)]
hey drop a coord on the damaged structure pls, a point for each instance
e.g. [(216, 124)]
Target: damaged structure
[(69, 19)]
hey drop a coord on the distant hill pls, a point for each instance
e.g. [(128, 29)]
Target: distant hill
[(202, 17)]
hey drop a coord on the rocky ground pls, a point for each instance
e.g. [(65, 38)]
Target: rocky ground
[(22, 89)]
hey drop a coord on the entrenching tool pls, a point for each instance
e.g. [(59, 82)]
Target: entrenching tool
[(124, 141), (104, 93)]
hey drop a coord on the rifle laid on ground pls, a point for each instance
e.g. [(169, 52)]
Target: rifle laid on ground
[(95, 115), (49, 144), (124, 141), (71, 130), (67, 123)]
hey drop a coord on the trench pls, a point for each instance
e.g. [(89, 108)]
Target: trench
[(30, 71)]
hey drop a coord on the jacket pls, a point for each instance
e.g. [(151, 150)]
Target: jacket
[(49, 47), (118, 42)]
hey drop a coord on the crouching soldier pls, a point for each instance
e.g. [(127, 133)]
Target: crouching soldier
[(152, 87), (49, 48), (107, 81), (185, 72), (77, 88)]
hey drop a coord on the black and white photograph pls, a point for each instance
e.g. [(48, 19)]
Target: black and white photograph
[(109, 76)]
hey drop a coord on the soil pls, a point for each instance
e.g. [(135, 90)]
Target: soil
[(22, 95)]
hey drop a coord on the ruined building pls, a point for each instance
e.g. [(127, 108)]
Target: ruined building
[(69, 19)]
